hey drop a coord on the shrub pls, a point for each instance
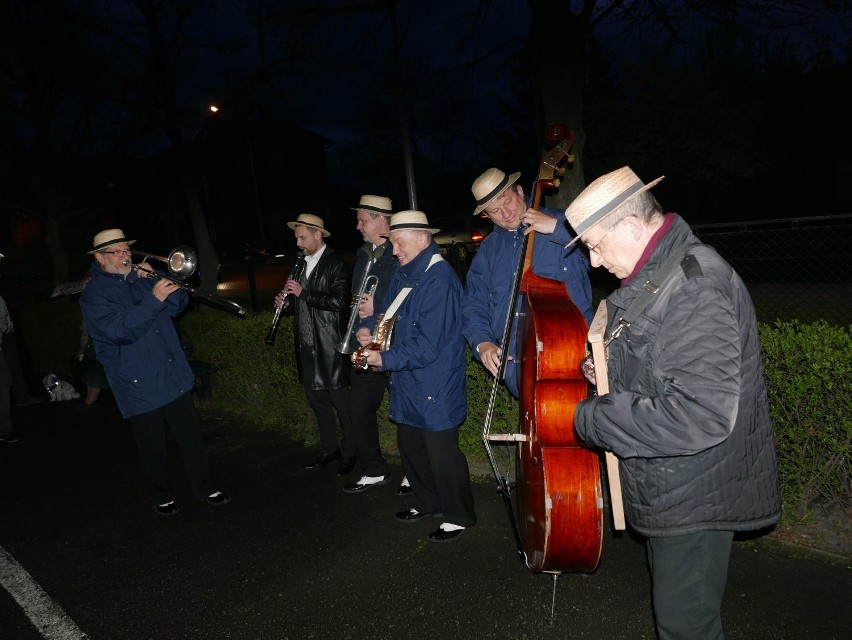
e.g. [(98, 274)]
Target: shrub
[(807, 369)]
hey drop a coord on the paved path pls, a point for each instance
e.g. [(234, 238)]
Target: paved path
[(294, 557)]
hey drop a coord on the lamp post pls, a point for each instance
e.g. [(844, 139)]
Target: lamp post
[(214, 109)]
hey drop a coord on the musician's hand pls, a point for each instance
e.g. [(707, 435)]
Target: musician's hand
[(537, 221), (489, 355), (293, 287), (374, 358), (144, 270), (363, 336), (163, 289), (365, 309), (281, 299)]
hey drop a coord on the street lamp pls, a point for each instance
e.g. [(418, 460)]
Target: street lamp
[(214, 109)]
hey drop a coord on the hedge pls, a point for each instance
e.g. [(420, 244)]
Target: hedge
[(807, 369)]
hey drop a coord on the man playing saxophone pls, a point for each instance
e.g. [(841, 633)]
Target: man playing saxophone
[(376, 263), (427, 362)]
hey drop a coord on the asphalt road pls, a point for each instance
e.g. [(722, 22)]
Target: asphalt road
[(292, 556)]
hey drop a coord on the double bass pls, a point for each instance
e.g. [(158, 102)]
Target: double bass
[(559, 524)]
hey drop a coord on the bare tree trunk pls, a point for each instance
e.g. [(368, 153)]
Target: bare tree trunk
[(207, 259)]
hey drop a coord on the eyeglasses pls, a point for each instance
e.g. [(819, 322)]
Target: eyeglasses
[(594, 247), (121, 252)]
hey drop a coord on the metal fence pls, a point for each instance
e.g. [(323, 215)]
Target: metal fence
[(795, 268)]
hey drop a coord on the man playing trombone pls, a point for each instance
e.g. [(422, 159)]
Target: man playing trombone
[(129, 314)]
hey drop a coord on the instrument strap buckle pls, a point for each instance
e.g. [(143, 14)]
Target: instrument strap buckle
[(622, 325)]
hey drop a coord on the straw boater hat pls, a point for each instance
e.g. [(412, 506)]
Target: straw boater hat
[(415, 220), (106, 238), (308, 220), (490, 185), (375, 204), (603, 197)]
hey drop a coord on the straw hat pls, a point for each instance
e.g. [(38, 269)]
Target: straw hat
[(490, 185), (375, 204), (409, 220), (602, 197), (309, 220), (106, 238)]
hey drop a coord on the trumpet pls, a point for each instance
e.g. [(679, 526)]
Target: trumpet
[(295, 274), (181, 263), (345, 346)]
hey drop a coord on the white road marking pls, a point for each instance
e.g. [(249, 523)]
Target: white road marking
[(47, 616)]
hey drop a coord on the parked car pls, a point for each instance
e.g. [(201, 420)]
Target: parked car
[(460, 235)]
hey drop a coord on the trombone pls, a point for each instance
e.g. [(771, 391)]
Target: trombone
[(181, 263)]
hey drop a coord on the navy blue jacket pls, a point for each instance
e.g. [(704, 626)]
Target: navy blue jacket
[(136, 341), (427, 358), (489, 281)]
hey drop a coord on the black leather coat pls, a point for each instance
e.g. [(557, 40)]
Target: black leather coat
[(326, 297)]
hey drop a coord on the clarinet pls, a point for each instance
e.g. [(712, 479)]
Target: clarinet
[(295, 274)]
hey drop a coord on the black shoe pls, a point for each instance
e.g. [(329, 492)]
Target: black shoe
[(9, 438), (346, 466), (404, 490), (322, 460), (167, 509), (366, 483), (442, 535), (218, 498), (410, 515)]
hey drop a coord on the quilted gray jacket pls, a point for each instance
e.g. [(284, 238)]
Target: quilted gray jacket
[(687, 414)]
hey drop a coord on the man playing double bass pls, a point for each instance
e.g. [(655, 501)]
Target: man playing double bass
[(489, 280)]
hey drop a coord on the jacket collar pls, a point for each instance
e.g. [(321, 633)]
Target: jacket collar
[(417, 267)]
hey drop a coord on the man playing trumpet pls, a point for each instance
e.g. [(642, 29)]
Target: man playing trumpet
[(427, 364), (376, 263)]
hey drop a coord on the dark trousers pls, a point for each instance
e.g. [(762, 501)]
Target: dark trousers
[(329, 406), (688, 576), (181, 419), (438, 473), (366, 391)]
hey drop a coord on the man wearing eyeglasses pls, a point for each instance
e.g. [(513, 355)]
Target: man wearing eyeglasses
[(129, 315), (687, 413)]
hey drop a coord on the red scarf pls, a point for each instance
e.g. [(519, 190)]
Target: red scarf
[(668, 221)]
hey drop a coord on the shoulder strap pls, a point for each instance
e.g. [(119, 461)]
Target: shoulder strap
[(397, 302), (650, 288)]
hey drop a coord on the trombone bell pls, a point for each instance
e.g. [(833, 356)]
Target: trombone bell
[(181, 262)]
